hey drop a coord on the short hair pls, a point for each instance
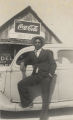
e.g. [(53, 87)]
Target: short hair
[(40, 38)]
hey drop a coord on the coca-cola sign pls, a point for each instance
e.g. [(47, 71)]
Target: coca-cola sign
[(27, 27)]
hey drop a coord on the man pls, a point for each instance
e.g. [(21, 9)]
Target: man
[(43, 70)]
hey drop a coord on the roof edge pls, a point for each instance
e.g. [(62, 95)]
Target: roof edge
[(25, 11)]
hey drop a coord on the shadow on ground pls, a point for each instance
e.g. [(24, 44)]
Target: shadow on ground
[(35, 114)]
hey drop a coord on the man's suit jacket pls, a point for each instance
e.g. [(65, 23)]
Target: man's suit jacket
[(45, 62)]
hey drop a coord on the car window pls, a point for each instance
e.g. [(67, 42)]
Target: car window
[(65, 57), (22, 57)]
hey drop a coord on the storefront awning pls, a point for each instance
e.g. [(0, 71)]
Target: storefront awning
[(15, 41)]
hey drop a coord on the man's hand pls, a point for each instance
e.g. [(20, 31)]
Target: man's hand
[(50, 76)]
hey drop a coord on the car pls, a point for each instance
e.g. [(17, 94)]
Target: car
[(61, 89)]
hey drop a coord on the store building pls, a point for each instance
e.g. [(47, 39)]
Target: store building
[(17, 33)]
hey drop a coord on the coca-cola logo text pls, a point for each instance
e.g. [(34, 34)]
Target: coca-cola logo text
[(27, 27)]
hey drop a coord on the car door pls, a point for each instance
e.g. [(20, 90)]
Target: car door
[(16, 74), (65, 74), (5, 71), (2, 79)]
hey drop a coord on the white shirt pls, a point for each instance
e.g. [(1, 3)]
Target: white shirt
[(37, 52)]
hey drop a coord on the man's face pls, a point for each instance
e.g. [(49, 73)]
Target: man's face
[(37, 44)]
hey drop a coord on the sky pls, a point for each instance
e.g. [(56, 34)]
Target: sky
[(56, 14)]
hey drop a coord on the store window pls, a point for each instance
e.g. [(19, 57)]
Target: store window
[(5, 59), (8, 52)]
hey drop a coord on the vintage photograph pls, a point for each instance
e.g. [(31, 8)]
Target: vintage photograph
[(36, 60)]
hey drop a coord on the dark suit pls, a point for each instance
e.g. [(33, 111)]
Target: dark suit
[(46, 64)]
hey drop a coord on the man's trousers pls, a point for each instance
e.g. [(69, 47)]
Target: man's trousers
[(34, 80)]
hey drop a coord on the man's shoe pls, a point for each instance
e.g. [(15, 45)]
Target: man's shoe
[(27, 104), (31, 105)]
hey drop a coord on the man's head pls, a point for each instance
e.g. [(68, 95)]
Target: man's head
[(38, 42)]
